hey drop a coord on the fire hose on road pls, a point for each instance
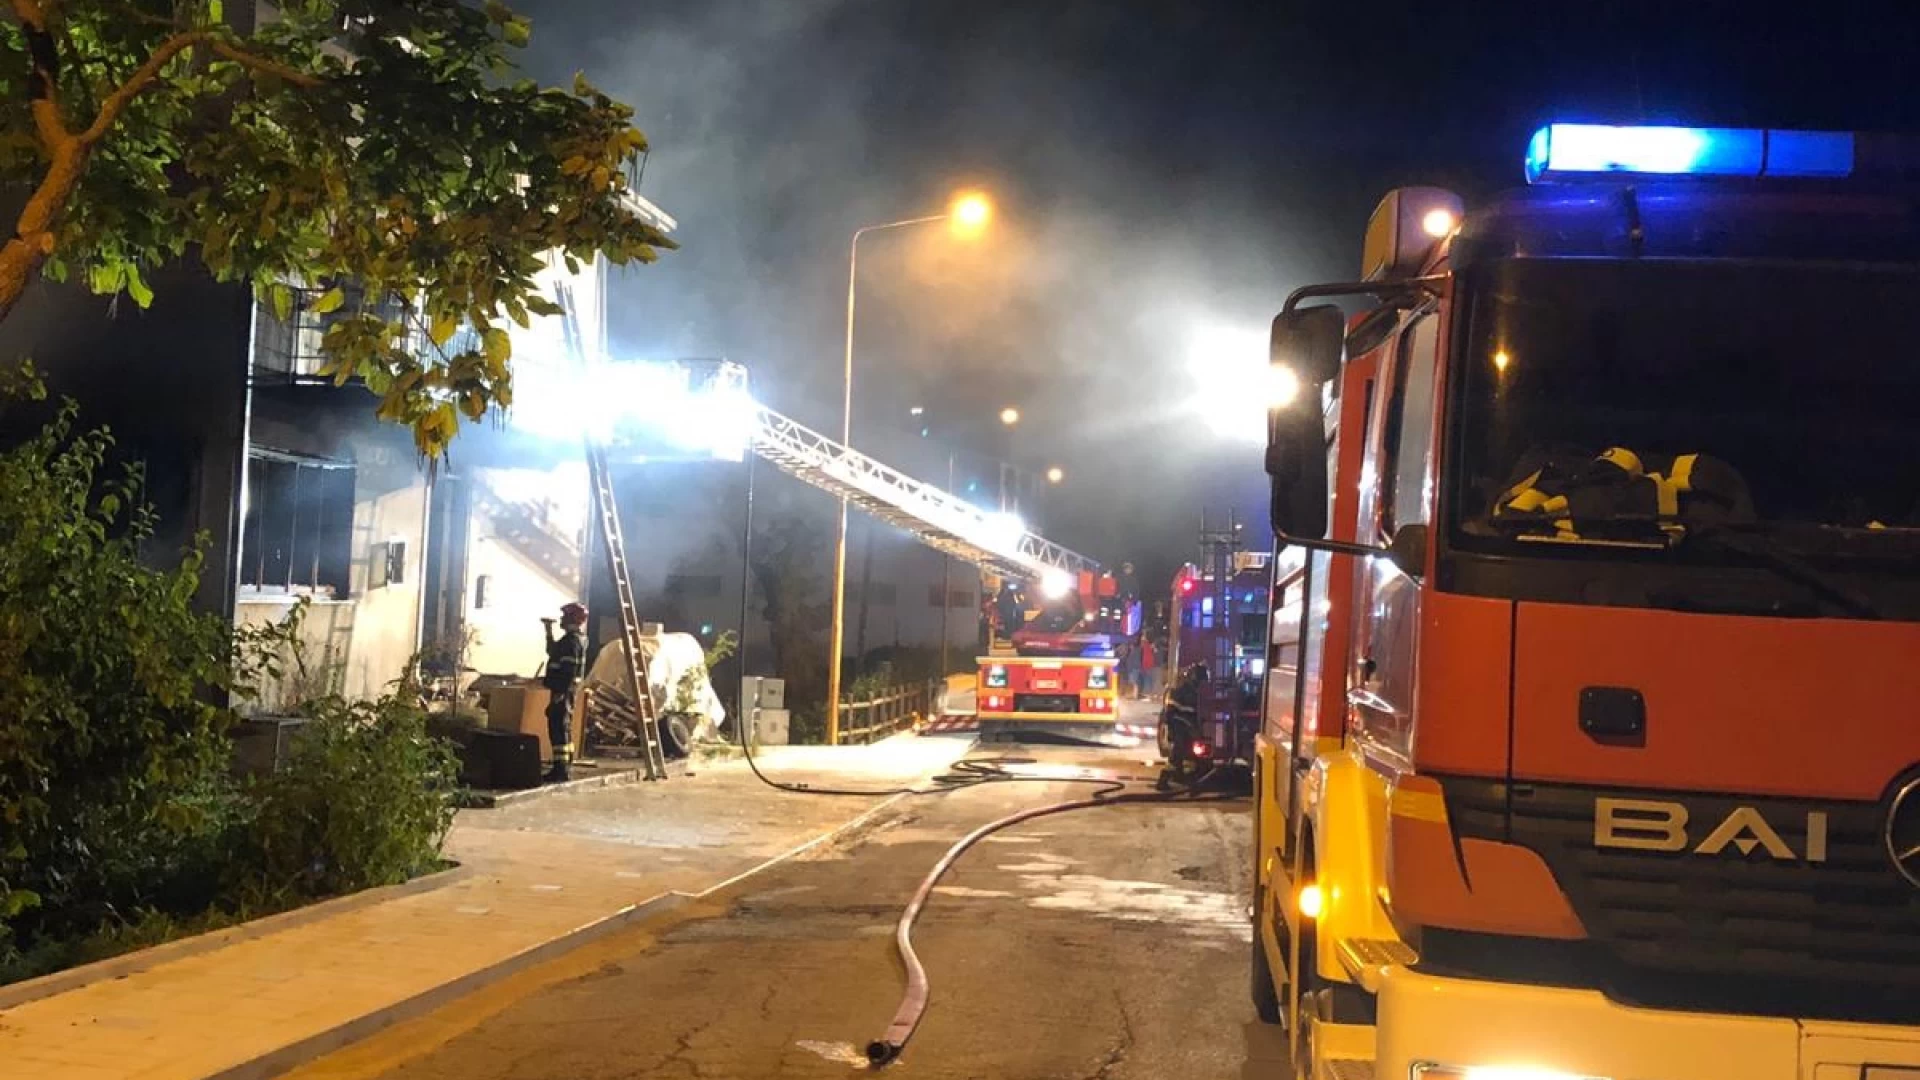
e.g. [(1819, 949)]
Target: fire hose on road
[(913, 1002), (973, 772)]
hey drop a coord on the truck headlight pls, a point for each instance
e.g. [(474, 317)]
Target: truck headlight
[(997, 675), (1431, 1071), (1097, 677)]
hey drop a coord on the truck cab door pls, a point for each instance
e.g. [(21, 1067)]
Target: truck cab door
[(1399, 466)]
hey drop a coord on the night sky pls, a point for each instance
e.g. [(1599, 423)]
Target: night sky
[(1165, 173)]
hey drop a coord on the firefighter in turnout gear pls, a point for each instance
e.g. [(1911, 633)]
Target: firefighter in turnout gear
[(566, 666), (1180, 717)]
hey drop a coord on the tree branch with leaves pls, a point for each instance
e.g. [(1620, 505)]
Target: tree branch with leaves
[(399, 168)]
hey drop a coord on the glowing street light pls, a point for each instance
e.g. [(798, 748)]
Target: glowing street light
[(1056, 475), (970, 214), (1009, 416), (967, 217)]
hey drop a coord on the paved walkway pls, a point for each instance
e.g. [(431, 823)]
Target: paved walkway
[(535, 878)]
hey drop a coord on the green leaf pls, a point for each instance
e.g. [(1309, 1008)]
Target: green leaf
[(106, 278), (442, 330), (282, 298), (330, 301), (517, 32), (216, 12), (497, 345), (138, 288)]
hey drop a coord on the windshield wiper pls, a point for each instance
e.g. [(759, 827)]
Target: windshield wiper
[(1768, 552)]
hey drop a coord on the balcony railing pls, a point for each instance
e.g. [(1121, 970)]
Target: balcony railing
[(292, 347)]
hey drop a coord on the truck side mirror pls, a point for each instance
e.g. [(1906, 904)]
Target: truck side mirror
[(1308, 343), (1297, 466)]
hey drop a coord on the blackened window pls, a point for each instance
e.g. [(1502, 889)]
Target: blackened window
[(299, 530)]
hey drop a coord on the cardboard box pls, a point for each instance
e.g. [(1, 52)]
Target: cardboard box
[(522, 708)]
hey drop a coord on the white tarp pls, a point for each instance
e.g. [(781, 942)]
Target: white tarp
[(670, 658)]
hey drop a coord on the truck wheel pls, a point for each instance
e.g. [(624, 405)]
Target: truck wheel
[(1266, 997), (1303, 1046), (675, 736)]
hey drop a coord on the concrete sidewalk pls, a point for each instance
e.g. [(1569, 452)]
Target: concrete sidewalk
[(535, 879)]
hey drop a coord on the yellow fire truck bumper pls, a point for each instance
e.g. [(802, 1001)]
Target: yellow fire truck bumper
[(1433, 1028)]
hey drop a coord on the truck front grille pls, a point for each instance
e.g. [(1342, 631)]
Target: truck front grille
[(1726, 932)]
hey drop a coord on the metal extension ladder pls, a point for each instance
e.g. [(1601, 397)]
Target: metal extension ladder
[(638, 678)]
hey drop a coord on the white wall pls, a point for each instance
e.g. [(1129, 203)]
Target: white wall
[(507, 636), (386, 630), (324, 640)]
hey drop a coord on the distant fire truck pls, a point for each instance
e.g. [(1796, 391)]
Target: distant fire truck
[(1219, 619), (1056, 674)]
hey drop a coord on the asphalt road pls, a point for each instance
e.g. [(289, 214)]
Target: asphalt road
[(1109, 943)]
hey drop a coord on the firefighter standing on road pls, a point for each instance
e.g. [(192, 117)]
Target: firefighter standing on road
[(566, 666)]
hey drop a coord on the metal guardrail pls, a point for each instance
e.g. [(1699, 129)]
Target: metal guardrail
[(894, 711), (939, 519)]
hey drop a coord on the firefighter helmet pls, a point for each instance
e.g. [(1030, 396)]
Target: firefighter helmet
[(573, 614)]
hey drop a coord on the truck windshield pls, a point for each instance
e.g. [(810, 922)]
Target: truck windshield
[(1801, 382), (1055, 617)]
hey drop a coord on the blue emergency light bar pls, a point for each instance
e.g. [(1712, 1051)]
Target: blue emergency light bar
[(1586, 150)]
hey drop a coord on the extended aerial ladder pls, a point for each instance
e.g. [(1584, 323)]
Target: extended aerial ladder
[(994, 542)]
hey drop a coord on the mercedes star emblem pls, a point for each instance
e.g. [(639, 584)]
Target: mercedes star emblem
[(1902, 834)]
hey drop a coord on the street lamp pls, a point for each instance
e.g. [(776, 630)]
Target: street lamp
[(971, 212), (968, 216), (1009, 416), (1056, 475)]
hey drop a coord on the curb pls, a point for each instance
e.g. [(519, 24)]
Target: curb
[(677, 768), (275, 1062), (493, 800), (132, 963)]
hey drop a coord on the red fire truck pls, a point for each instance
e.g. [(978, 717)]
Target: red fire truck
[(1055, 675), (1219, 619), (1590, 751)]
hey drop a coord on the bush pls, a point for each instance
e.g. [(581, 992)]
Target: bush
[(807, 725), (364, 799), (112, 739), (120, 824)]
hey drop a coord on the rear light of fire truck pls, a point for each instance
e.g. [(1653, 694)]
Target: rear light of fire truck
[(995, 702), (1097, 704), (997, 675)]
